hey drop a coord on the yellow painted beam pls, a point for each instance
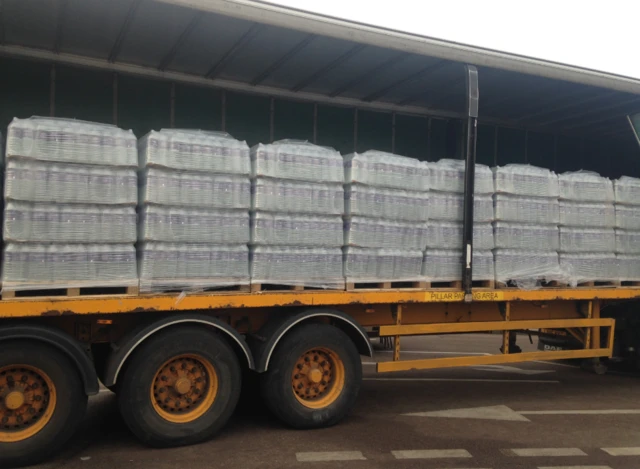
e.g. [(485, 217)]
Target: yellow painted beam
[(457, 327), (449, 362)]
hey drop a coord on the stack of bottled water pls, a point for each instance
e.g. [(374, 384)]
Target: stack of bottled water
[(194, 210), (70, 196), (443, 259), (627, 222), (526, 226), (385, 217), (296, 219), (587, 222)]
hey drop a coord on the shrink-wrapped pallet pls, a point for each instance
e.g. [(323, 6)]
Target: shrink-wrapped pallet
[(577, 239), (588, 214), (627, 242), (627, 217), (526, 180), (447, 175), (628, 267), (585, 186), (303, 266), (50, 266), (36, 181), (281, 195), (589, 267), (71, 141), (193, 225), (535, 237), (298, 160), (538, 210), (448, 235), (527, 268), (367, 265), (380, 169), (286, 229), (392, 234), (445, 265), (63, 223), (391, 204), (191, 189), (627, 190), (182, 266), (448, 206), (194, 150)]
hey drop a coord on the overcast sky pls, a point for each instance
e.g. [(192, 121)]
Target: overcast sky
[(601, 35)]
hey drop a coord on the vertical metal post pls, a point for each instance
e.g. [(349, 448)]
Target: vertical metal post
[(506, 335), (595, 314), (272, 112), (115, 99), (396, 339), (223, 111), (588, 335), (393, 132), (172, 106), (471, 76), (52, 91), (355, 129)]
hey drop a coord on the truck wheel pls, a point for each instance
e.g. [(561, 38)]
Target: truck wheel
[(180, 387), (314, 377), (42, 402)]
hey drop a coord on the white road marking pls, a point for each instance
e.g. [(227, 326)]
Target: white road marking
[(468, 380), (431, 454), (574, 467), (581, 412), (547, 452), (630, 451), (323, 456), (502, 412)]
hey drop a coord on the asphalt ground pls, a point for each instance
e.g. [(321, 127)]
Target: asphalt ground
[(530, 415)]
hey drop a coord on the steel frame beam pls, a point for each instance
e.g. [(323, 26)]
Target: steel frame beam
[(330, 66), (423, 72), (283, 60), (241, 43), (167, 59), (115, 50)]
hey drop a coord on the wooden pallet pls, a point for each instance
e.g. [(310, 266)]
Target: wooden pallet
[(46, 291), (386, 285)]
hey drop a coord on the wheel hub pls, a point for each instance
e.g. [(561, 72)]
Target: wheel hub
[(313, 375), (14, 400), (183, 385)]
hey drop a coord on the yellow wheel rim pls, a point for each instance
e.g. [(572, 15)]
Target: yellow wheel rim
[(184, 388), (27, 402), (318, 378)]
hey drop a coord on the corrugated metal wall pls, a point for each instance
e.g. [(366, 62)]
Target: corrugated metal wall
[(31, 88)]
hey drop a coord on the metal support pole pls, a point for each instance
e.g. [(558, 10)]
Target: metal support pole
[(471, 76), (595, 314), (396, 339), (506, 335)]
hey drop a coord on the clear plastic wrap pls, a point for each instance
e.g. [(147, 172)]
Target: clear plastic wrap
[(366, 265), (445, 265), (577, 239), (627, 190), (190, 189), (286, 229), (47, 266), (391, 204), (380, 169), (447, 175), (189, 225), (628, 267), (35, 181), (62, 223), (169, 266), (627, 242), (627, 217), (450, 207), (71, 141), (601, 215), (194, 150), (448, 235), (527, 268), (291, 159), (590, 267), (510, 235), (379, 233), (314, 267), (526, 209), (526, 180), (280, 195), (585, 186)]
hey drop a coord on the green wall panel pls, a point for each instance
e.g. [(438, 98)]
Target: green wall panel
[(540, 150), (143, 105), (84, 94), (412, 137), (293, 120), (198, 108), (248, 117), (335, 128), (24, 90), (374, 131), (485, 145), (511, 144)]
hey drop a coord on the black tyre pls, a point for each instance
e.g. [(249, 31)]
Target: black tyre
[(180, 387), (314, 377), (42, 402)]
